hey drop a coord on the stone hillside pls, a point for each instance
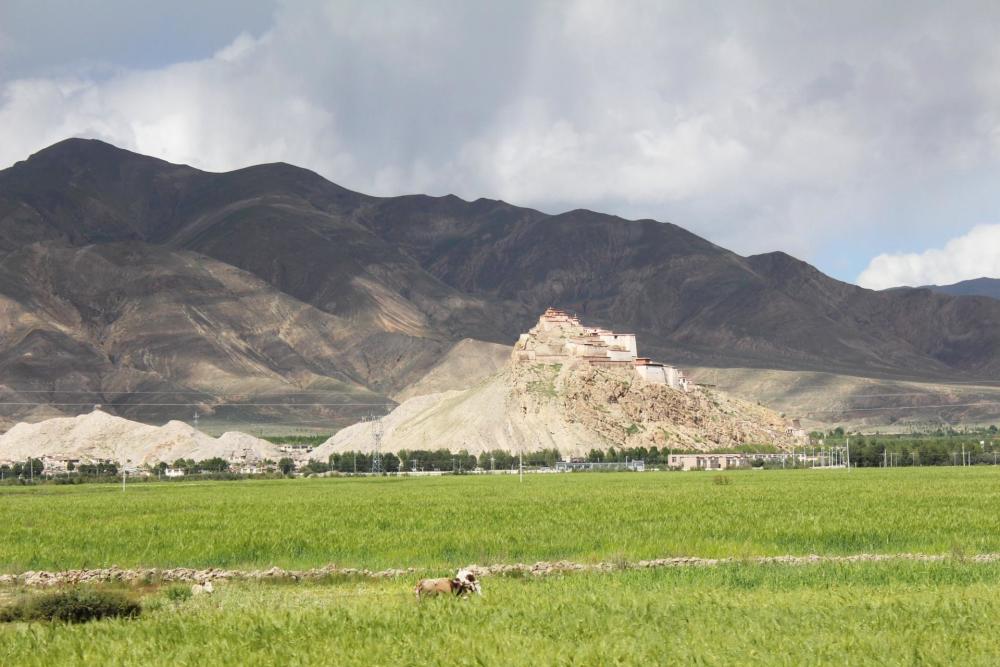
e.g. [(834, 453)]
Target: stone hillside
[(573, 407)]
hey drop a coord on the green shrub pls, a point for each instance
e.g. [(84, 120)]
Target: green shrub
[(178, 593), (75, 605), (9, 614)]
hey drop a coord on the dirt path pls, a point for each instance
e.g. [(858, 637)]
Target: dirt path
[(541, 568)]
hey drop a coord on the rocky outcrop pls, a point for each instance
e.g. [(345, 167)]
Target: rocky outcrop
[(629, 412), (572, 407)]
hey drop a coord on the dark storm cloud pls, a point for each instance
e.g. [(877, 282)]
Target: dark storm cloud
[(833, 131)]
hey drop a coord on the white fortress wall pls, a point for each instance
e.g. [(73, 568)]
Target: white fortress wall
[(624, 341)]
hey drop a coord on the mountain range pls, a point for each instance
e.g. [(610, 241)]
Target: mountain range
[(976, 287), (269, 294)]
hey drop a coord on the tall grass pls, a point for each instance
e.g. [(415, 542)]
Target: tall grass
[(446, 521)]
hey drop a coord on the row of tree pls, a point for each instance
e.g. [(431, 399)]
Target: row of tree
[(866, 451), (29, 468), (950, 432), (875, 451)]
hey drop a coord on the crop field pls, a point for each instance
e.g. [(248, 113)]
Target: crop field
[(742, 612), (450, 521), (900, 614)]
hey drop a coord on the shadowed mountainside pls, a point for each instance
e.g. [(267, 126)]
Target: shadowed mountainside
[(121, 271)]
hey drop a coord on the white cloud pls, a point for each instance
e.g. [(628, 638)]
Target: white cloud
[(762, 128), (972, 255)]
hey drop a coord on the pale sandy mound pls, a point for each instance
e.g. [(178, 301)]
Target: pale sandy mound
[(98, 435), (572, 408), (466, 364)]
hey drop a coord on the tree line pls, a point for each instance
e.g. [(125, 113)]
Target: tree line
[(981, 446)]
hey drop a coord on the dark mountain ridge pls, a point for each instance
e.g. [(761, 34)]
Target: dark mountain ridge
[(976, 287), (389, 284)]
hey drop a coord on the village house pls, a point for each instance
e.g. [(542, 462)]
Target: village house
[(560, 337), (57, 466), (724, 461), (708, 461)]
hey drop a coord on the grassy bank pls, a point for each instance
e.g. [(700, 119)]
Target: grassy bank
[(887, 614)]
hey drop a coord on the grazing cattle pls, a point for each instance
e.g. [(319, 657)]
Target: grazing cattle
[(463, 583), (469, 581), (199, 589)]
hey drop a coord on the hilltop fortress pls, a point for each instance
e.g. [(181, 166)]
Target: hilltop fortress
[(560, 338), (574, 388)]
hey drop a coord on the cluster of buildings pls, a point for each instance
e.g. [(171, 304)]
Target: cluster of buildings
[(579, 465), (724, 461), (61, 465), (56, 465), (560, 337)]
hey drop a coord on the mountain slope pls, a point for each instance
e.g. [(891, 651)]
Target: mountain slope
[(87, 325), (121, 270), (977, 287)]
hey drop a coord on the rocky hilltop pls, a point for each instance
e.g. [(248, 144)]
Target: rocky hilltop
[(570, 401)]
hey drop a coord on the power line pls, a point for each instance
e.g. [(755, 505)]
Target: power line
[(912, 393), (901, 407)]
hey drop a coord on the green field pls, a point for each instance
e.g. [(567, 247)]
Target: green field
[(450, 521), (898, 614), (895, 612)]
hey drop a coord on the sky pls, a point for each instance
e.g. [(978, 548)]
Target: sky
[(862, 137)]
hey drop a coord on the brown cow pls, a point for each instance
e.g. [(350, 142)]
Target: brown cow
[(462, 584)]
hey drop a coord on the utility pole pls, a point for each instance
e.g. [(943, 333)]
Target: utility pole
[(848, 462), (520, 463), (377, 441)]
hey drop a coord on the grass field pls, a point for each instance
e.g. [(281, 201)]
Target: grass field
[(896, 612), (887, 614), (449, 521)]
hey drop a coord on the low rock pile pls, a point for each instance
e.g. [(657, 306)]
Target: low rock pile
[(136, 576), (187, 575)]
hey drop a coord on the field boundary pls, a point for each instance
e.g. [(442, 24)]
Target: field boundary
[(138, 576)]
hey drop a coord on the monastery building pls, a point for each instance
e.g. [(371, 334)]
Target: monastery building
[(560, 337)]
